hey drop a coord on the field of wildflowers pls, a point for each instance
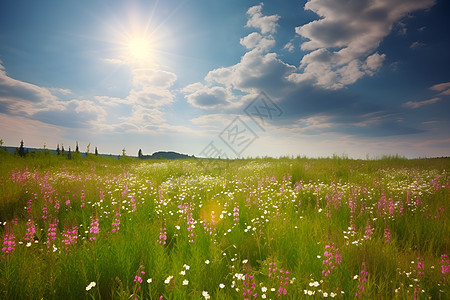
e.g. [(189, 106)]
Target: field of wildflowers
[(238, 229)]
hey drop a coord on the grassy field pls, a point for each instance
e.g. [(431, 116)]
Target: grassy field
[(240, 229)]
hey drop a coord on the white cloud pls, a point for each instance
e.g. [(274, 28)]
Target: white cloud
[(373, 63), (289, 47), (16, 95), (205, 97), (349, 33), (256, 40), (151, 87), (267, 24), (256, 71), (73, 113), (417, 104)]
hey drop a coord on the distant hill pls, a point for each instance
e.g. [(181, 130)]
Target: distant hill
[(166, 155)]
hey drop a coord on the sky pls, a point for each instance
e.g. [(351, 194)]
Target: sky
[(228, 78)]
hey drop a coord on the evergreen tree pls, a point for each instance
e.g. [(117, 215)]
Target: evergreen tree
[(21, 149), (88, 148), (62, 150), (140, 153), (124, 152), (96, 151), (69, 156), (77, 150), (58, 152)]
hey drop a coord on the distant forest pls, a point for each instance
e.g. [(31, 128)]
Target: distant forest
[(60, 150)]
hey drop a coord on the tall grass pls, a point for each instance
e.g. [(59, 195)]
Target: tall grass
[(244, 215)]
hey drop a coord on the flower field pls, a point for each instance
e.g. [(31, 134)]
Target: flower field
[(217, 229)]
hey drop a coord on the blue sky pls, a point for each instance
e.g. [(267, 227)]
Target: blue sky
[(315, 78)]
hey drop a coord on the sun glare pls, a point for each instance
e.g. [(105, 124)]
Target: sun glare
[(139, 48)]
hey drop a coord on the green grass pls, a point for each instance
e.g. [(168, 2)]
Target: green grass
[(289, 210)]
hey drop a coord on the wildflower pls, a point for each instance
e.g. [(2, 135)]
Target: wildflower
[(168, 279), (90, 285), (185, 282), (70, 236), (51, 232), (186, 267), (149, 280), (221, 285), (368, 231), (162, 236), (206, 295), (93, 229), (183, 272), (387, 235), (82, 199), (116, 222), (420, 266), (207, 261), (30, 231), (9, 244), (362, 279), (445, 265)]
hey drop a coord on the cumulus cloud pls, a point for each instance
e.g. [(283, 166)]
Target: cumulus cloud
[(73, 114), (151, 87), (267, 24), (341, 49), (256, 40), (16, 95), (348, 34), (255, 71), (205, 97)]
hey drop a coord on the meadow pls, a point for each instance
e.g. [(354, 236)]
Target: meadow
[(287, 228)]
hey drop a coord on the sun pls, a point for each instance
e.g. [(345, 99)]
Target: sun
[(139, 48)]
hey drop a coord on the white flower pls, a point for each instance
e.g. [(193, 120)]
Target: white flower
[(168, 279), (90, 285), (332, 295), (325, 294), (185, 282), (183, 272), (263, 296), (355, 277), (310, 293), (272, 289), (206, 295), (245, 261), (221, 285), (29, 244), (186, 266), (149, 280), (264, 289), (207, 261)]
